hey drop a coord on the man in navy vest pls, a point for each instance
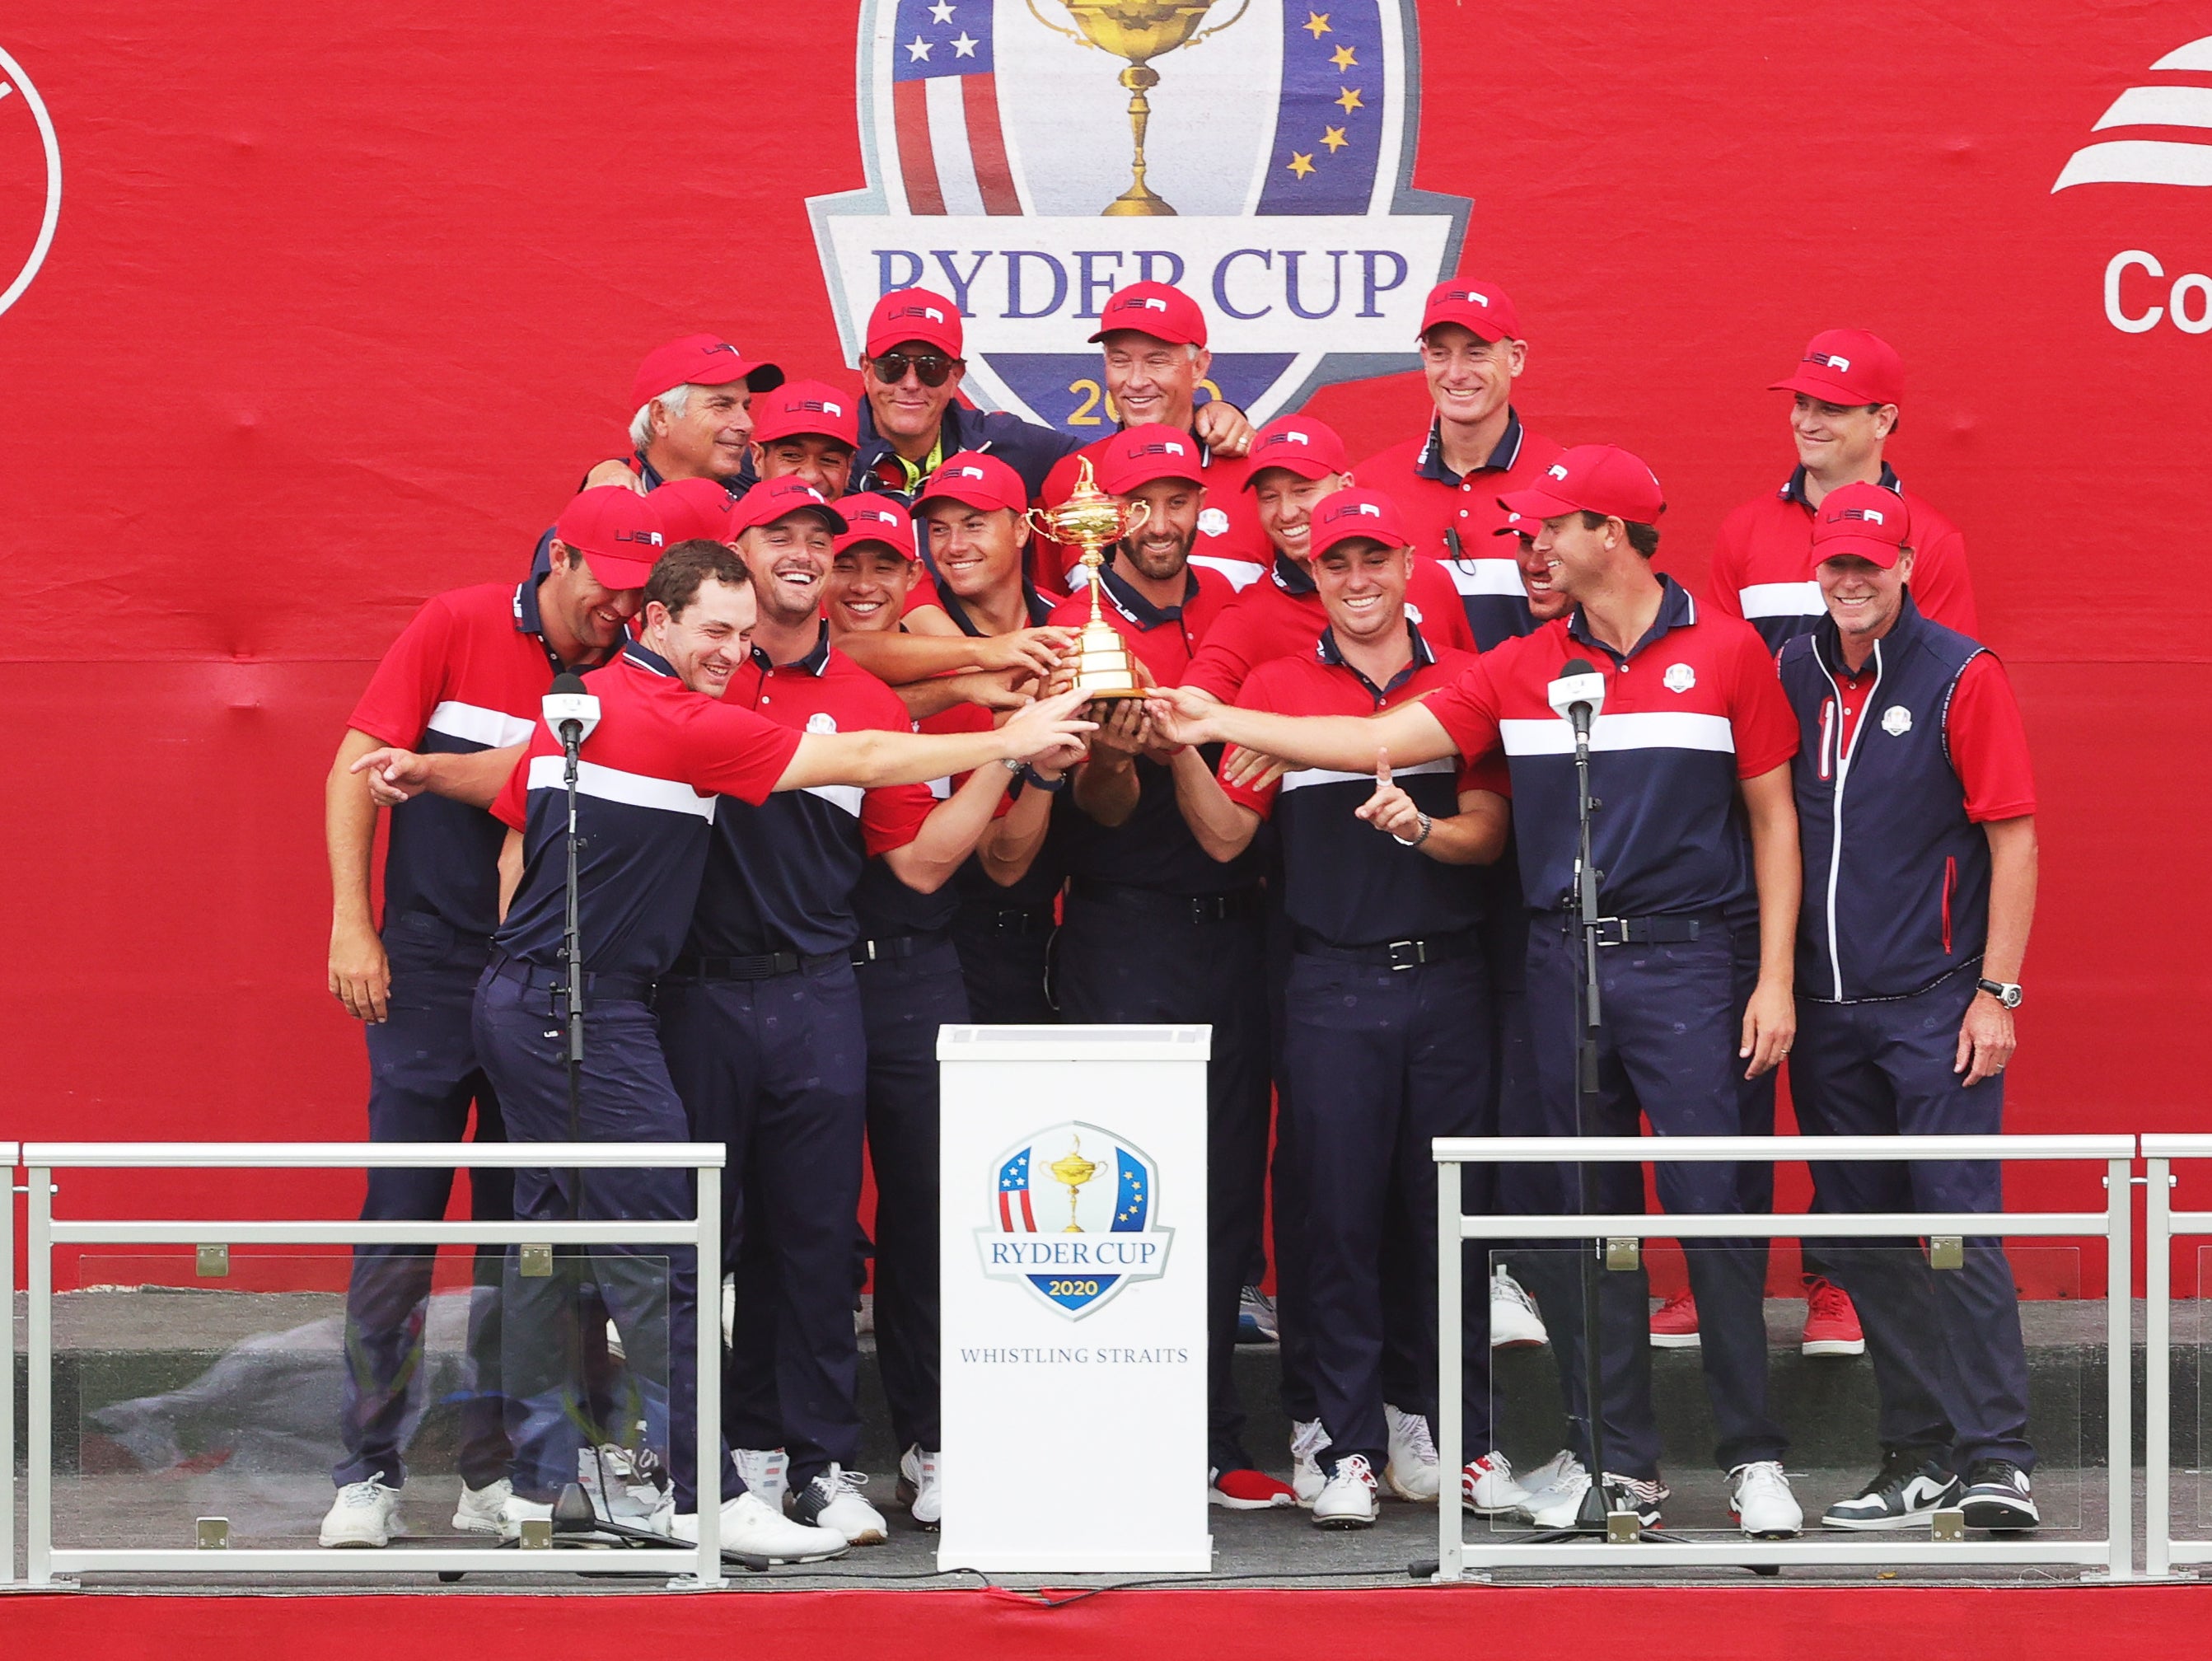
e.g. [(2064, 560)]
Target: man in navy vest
[(1907, 976)]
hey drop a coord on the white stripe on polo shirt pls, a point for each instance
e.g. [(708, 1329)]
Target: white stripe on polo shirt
[(612, 784), (1653, 729), (1487, 576), (847, 796), (1781, 600), (494, 729), (1241, 573), (1312, 775)]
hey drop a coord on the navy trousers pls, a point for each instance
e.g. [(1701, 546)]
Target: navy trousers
[(1005, 954), (1381, 1062), (423, 1077), (650, 1291), (1117, 965), (1673, 1017), (903, 1002), (1287, 1198), (777, 1069), (1949, 1365)]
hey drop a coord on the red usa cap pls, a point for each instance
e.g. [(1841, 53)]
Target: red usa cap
[(1860, 518), (1482, 307), (1593, 478), (807, 406), (980, 480), (1137, 455), (1308, 448), (617, 531), (914, 315), (1344, 515), (1156, 309), (873, 518), (698, 359), (1848, 366), (774, 499), (692, 508)]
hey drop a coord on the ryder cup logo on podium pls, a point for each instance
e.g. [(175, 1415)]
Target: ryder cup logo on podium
[(1074, 1226), (1029, 157)]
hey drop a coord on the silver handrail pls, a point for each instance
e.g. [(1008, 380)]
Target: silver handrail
[(2113, 1555), (695, 1566)]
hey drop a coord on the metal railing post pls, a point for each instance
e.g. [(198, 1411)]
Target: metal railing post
[(707, 1407), (1451, 1246), (2119, 1365), (39, 1427), (2158, 1374), (7, 1156)]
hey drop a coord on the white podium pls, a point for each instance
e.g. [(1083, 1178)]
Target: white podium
[(1071, 1212)]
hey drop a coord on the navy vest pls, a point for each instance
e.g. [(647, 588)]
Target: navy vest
[(1897, 877)]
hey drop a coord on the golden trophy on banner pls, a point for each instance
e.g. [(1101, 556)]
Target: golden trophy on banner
[(1094, 521), (1139, 31), (1073, 1171)]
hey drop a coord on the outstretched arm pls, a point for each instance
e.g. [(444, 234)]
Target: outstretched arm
[(1045, 731), (1343, 744)]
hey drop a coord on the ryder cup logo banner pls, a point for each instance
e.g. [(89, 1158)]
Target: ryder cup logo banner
[(1029, 157), (1073, 1211), (30, 181)]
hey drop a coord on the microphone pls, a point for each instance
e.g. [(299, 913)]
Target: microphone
[(1578, 694), (570, 711)]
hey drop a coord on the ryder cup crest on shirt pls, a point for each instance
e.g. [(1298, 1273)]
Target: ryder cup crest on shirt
[(1274, 188), (1897, 720), (1073, 1213), (1679, 677)]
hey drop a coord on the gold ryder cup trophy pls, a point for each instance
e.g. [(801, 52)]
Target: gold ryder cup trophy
[(1094, 521), (1139, 31), (1071, 1171)]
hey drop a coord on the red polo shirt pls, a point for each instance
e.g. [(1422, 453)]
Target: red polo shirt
[(1283, 616), (1762, 568)]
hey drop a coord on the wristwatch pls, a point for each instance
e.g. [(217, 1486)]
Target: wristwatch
[(1427, 825), (1036, 781), (2007, 993)]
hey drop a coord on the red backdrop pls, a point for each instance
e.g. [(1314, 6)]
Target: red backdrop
[(340, 307)]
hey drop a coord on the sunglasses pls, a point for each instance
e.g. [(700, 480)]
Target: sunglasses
[(930, 368)]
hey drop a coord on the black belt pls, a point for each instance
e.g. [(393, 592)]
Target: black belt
[(764, 967), (1670, 928), (1008, 918), (1393, 954), (634, 988), (1174, 907), (897, 949)]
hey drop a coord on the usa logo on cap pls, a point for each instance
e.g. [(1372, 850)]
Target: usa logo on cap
[(1870, 515), (1829, 360), (1275, 187)]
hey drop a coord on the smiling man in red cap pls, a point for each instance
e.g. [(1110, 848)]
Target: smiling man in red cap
[(1156, 929), (1698, 846), (1845, 395), (912, 368), (1295, 462), (1843, 403), (1152, 339), (1907, 980), (1385, 1017), (440, 726), (807, 430), (1449, 480)]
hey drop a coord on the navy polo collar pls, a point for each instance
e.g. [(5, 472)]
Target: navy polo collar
[(1676, 611), (816, 660), (1329, 652), (1039, 609), (1139, 609), (1289, 578), (639, 655), (1794, 489), (1430, 464)]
